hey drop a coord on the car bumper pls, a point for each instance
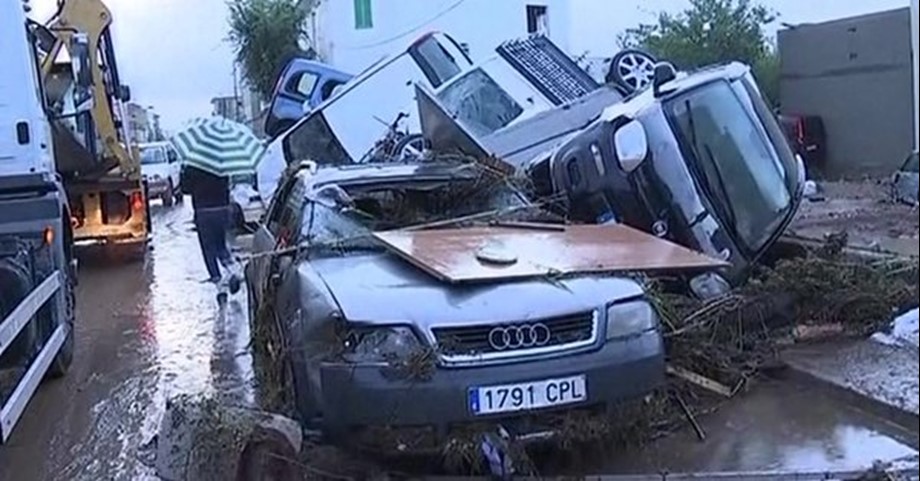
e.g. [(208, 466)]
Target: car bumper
[(356, 397), (156, 188)]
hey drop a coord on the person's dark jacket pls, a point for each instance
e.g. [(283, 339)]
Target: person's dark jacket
[(207, 190)]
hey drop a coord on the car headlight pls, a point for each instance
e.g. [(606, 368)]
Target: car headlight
[(376, 345), (630, 319)]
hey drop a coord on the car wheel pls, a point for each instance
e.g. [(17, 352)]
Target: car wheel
[(169, 196), (631, 70), (410, 147)]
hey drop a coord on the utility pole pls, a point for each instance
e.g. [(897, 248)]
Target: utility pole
[(236, 95)]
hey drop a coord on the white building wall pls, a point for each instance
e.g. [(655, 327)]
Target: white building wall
[(915, 13), (481, 24)]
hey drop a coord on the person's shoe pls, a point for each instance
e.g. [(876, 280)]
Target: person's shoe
[(234, 284)]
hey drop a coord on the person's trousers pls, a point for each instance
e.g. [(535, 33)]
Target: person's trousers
[(212, 225)]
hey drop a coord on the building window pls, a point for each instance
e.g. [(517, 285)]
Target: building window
[(363, 15), (537, 20)]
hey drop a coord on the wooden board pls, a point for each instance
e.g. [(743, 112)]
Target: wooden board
[(454, 255)]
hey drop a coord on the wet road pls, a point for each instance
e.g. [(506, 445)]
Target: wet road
[(145, 331), (152, 330)]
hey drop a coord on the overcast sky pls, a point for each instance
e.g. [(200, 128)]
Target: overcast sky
[(174, 55)]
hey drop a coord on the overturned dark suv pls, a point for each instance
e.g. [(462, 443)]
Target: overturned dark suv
[(696, 158)]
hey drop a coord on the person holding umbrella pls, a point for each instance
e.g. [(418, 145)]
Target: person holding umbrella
[(212, 150)]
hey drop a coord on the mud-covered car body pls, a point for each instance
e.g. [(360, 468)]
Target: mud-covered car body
[(353, 316)]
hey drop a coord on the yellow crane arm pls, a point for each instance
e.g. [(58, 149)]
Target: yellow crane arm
[(93, 19)]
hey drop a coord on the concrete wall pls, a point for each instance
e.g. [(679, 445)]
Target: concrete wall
[(857, 74), (482, 24)]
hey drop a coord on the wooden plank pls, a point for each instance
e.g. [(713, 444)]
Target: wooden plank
[(458, 255), (701, 381)]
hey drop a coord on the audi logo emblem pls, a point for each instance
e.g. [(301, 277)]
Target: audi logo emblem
[(519, 337)]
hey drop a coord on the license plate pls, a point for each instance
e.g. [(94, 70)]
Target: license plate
[(527, 396)]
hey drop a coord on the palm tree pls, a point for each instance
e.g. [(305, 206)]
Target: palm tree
[(266, 35)]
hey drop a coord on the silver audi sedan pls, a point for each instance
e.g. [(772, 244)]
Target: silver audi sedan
[(370, 340)]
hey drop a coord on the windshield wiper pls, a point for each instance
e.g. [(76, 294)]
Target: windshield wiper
[(723, 187), (719, 178)]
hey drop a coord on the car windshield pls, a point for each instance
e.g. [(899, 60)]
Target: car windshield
[(437, 63), (479, 103), (341, 217), (913, 164), (314, 140), (744, 163), (153, 155)]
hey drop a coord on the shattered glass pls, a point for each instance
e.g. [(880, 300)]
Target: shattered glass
[(479, 103)]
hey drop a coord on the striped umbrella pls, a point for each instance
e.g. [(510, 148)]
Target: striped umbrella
[(218, 145)]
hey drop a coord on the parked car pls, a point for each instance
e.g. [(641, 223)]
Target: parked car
[(907, 181), (697, 159), (347, 310), (302, 86), (161, 169)]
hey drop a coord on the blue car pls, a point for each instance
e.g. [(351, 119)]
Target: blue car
[(302, 86)]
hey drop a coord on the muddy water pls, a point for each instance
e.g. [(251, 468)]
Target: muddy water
[(145, 331), (148, 331), (778, 427)]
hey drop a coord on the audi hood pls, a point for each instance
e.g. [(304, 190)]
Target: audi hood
[(383, 289)]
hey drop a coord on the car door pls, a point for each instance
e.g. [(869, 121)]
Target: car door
[(266, 238), (172, 158)]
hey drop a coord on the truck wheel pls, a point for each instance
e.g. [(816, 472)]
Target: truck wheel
[(169, 196), (15, 285), (61, 363)]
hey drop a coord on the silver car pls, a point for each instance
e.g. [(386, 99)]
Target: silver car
[(373, 341)]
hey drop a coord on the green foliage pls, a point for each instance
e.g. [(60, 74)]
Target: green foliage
[(266, 35), (712, 32)]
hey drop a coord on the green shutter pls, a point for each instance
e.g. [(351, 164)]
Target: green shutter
[(363, 17)]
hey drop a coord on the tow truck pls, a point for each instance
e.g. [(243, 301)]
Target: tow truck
[(101, 172), (67, 174)]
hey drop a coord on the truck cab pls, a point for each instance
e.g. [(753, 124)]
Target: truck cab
[(37, 270)]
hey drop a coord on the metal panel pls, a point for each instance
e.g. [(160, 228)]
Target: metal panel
[(17, 320), (13, 409), (459, 255), (548, 68)]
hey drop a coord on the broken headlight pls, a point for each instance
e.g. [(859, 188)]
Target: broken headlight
[(630, 319), (377, 345)]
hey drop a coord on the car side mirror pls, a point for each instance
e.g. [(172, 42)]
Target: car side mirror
[(631, 145), (664, 73)]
